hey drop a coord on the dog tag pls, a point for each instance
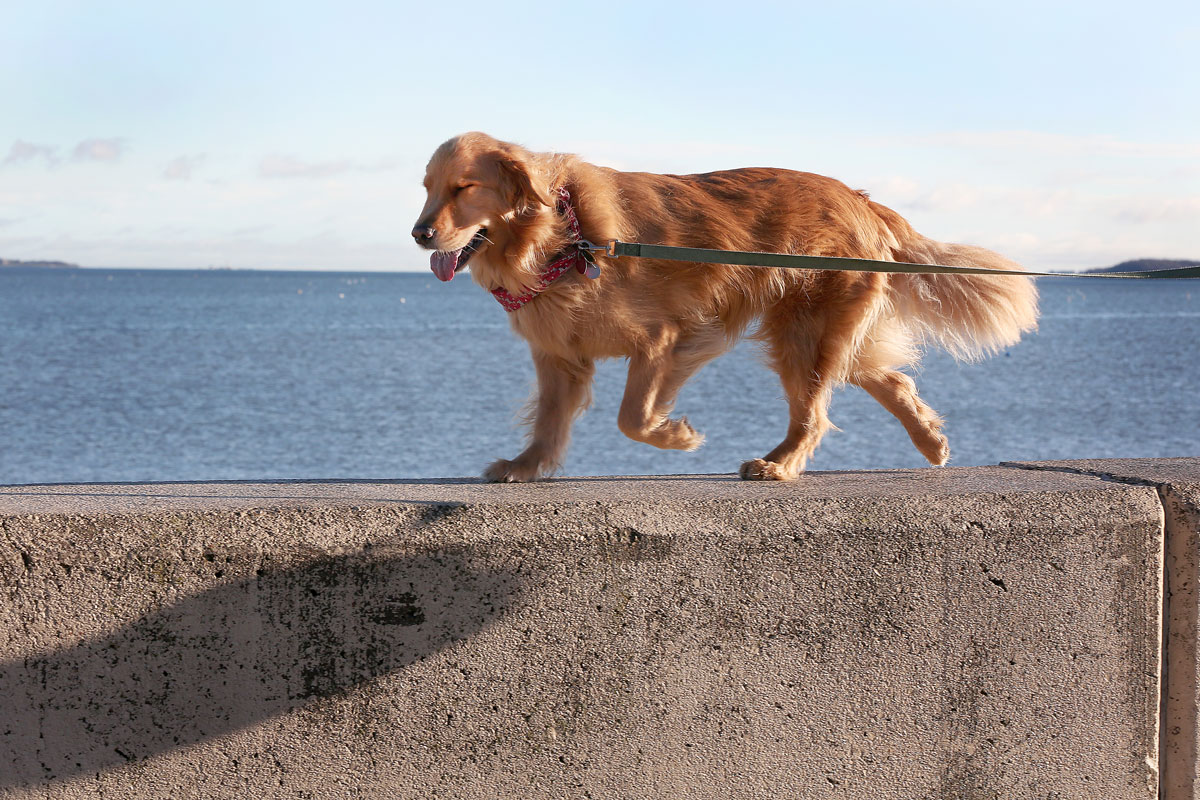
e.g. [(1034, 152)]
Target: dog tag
[(590, 268)]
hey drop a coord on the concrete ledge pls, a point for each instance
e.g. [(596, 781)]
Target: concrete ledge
[(982, 633), (1177, 481)]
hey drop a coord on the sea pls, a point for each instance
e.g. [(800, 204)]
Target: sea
[(121, 375)]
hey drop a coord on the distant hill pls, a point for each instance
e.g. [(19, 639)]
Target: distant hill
[(12, 262), (1145, 264)]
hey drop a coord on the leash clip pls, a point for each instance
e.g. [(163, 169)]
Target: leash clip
[(609, 250)]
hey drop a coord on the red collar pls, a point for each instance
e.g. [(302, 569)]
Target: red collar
[(572, 257)]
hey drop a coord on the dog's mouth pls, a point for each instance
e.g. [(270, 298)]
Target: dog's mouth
[(445, 263)]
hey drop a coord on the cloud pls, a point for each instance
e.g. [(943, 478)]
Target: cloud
[(680, 154), (892, 186), (277, 166), (87, 150), (99, 150), (327, 251), (1056, 226), (180, 169), (1058, 144), (946, 197), (289, 167), (1159, 209), (911, 196), (250, 231), (27, 151), (1079, 249), (1061, 200)]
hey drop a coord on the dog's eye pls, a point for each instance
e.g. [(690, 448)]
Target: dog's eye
[(464, 186)]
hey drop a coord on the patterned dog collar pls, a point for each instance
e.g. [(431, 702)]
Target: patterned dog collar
[(572, 257)]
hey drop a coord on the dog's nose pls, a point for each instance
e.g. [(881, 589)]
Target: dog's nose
[(423, 234)]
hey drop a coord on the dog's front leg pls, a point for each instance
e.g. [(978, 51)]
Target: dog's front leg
[(563, 392), (655, 377)]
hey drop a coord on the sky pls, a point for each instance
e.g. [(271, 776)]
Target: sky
[(294, 135)]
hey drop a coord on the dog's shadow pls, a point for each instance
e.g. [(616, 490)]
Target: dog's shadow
[(235, 655)]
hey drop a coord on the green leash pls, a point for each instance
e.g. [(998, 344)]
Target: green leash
[(744, 258)]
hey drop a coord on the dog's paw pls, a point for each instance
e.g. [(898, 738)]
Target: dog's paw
[(937, 450), (666, 434), (689, 438), (759, 469), (676, 434), (505, 471)]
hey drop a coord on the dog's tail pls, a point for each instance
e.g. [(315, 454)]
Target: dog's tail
[(968, 315)]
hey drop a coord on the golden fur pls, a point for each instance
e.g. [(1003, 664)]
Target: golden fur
[(819, 328)]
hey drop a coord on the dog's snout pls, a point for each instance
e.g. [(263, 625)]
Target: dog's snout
[(424, 234)]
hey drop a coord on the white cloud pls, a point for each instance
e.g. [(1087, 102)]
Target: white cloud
[(1056, 224), (24, 248), (892, 186), (1158, 209), (27, 151), (250, 231), (946, 197), (289, 167), (324, 250), (99, 150), (1058, 144), (687, 155), (279, 166), (1076, 248), (180, 169), (913, 197)]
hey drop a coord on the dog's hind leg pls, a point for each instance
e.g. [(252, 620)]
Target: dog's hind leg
[(811, 346), (656, 374), (897, 392), (808, 391), (564, 391)]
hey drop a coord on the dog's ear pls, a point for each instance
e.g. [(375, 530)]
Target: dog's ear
[(524, 187)]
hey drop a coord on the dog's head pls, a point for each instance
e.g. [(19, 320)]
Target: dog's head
[(476, 187)]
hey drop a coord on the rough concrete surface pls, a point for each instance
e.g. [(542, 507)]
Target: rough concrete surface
[(958, 633), (1178, 484)]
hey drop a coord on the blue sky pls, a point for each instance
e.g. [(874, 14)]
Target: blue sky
[(1065, 135)]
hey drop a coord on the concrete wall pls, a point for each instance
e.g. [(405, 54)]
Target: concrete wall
[(955, 633), (1177, 481)]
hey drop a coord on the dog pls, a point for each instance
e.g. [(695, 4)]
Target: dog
[(515, 216)]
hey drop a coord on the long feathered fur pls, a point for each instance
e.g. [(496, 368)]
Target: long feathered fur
[(819, 328)]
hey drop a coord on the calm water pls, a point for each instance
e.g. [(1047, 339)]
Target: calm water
[(126, 375)]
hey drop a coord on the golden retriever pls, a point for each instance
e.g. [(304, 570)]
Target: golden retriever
[(494, 205)]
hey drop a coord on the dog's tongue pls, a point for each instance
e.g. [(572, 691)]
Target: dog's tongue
[(443, 264)]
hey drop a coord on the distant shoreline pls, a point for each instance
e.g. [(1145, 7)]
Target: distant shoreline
[(12, 262), (1148, 265)]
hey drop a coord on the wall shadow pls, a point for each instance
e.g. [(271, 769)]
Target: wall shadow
[(235, 655)]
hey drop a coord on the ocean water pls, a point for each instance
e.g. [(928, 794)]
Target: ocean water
[(164, 375)]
